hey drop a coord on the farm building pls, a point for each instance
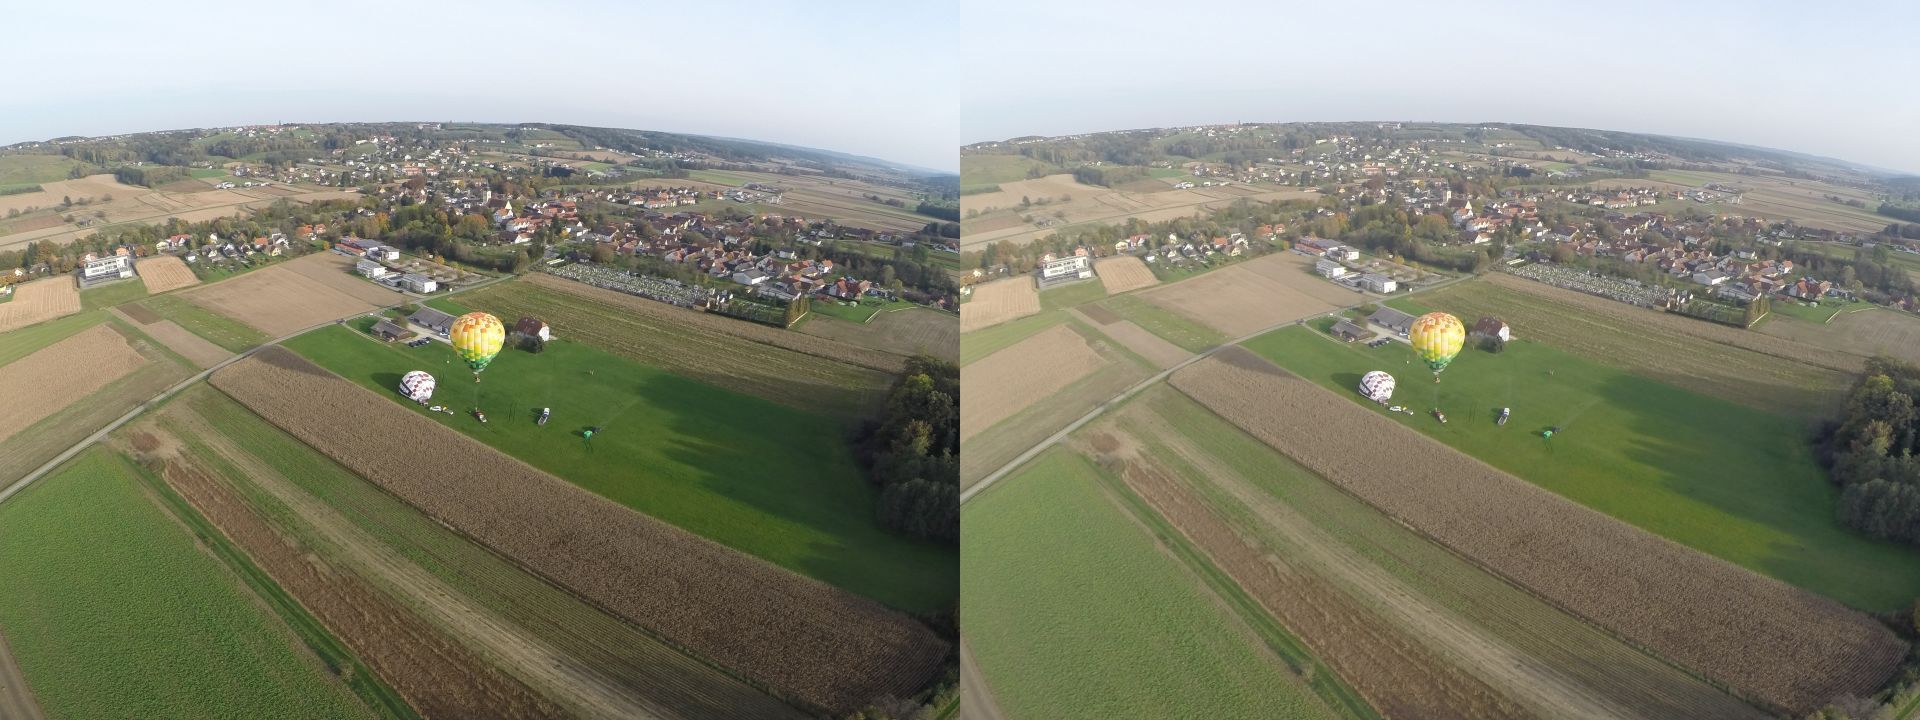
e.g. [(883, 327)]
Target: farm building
[(532, 327), (1346, 330), (388, 331), (372, 270), (1330, 269), (1379, 283), (416, 282), (1492, 327), (432, 319), (1392, 319)]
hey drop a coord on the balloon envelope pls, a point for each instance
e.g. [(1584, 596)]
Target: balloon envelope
[(417, 386), (1377, 386), (1436, 338), (477, 337)]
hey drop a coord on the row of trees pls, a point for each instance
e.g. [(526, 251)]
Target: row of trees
[(913, 452), (1870, 452)]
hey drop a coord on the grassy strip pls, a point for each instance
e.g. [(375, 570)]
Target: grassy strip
[(340, 661), (1323, 680)]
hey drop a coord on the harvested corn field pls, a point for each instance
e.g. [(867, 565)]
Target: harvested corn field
[(808, 642), (1374, 598), (1251, 296), (164, 273), (38, 302), (458, 630), (60, 374), (1122, 273), (999, 301), (1740, 365), (1774, 644), (1032, 370), (780, 365)]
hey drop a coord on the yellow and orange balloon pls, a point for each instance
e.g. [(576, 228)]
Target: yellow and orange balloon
[(1436, 338), (477, 337)]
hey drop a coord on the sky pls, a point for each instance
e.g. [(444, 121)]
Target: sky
[(868, 78), (1829, 78)]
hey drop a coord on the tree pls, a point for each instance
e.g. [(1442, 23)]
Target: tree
[(601, 254)]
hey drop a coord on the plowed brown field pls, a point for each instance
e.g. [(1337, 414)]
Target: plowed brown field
[(1121, 273), (164, 273), (1006, 382), (57, 375), (1254, 295), (1769, 641), (812, 643), (39, 301), (999, 301), (279, 300)]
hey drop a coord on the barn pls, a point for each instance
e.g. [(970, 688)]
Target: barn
[(1490, 327), (432, 319), (532, 327)]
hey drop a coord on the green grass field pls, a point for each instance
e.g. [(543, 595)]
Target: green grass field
[(105, 296), (858, 312), (112, 611), (984, 170), (1169, 325), (719, 177), (1073, 611), (1817, 314), (1729, 480), (216, 328), (35, 169), (1079, 293), (767, 479), (989, 340)]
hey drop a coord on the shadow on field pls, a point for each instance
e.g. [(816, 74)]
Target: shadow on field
[(1758, 468)]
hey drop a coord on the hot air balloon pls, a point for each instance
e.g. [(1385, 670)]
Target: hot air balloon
[(477, 337), (1377, 386), (417, 386), (1436, 338)]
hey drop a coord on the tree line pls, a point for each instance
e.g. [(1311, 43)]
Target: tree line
[(1869, 451), (913, 452)]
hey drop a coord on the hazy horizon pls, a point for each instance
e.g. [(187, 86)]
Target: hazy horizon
[(853, 77), (1633, 66)]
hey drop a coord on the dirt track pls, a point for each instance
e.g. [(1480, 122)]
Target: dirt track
[(16, 699), (1772, 642), (976, 698)]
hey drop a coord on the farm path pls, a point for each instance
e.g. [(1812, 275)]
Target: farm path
[(16, 699), (969, 492), (562, 677), (71, 452), (976, 699)]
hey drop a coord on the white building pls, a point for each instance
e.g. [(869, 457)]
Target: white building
[(1342, 252), (1330, 269), (1379, 283), (371, 269), (750, 277), (106, 268), (419, 283)]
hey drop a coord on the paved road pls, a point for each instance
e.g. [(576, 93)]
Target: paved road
[(70, 452), (976, 699), (16, 699), (985, 482)]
